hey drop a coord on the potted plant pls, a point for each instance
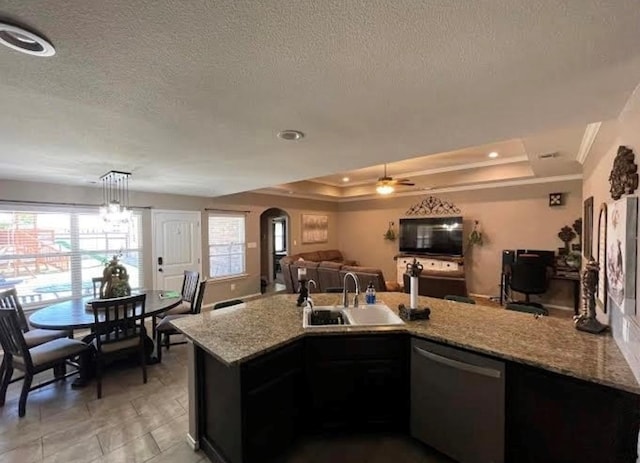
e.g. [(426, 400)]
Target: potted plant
[(390, 234), (475, 237)]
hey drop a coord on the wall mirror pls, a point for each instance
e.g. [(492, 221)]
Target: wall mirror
[(601, 298)]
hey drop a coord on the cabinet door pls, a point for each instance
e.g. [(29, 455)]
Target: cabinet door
[(332, 395), (557, 419), (272, 417), (273, 394), (457, 402), (382, 399)]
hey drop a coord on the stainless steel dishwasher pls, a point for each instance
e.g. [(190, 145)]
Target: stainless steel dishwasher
[(457, 402)]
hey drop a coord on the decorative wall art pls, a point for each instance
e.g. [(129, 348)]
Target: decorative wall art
[(433, 206), (315, 228), (556, 199), (621, 253), (601, 244), (624, 174), (587, 234)]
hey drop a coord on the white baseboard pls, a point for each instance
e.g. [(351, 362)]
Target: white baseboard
[(191, 442)]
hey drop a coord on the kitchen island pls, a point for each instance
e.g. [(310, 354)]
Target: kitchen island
[(257, 379)]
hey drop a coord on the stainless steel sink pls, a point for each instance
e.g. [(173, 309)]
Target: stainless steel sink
[(364, 315)]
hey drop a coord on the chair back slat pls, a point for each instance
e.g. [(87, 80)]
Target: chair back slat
[(197, 306), (115, 319), (9, 300), (11, 336), (190, 286), (97, 283)]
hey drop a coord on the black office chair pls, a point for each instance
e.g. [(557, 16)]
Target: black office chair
[(529, 276), (466, 300), (527, 309)]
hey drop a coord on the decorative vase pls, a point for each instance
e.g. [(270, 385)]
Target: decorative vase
[(116, 280)]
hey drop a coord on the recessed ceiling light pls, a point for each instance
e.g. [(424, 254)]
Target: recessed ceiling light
[(493, 155), (345, 179), (290, 135), (22, 40)]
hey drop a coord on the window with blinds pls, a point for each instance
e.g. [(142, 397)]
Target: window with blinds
[(227, 245), (51, 255)]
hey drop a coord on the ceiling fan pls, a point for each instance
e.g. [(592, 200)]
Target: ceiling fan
[(385, 184)]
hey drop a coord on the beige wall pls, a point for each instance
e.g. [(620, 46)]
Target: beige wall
[(626, 329), (511, 217), (254, 203)]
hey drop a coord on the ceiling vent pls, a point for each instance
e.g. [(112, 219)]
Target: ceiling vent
[(555, 154)]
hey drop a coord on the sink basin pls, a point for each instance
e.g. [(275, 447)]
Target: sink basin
[(364, 315), (324, 316), (372, 315)]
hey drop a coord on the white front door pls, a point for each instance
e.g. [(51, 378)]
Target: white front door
[(177, 240)]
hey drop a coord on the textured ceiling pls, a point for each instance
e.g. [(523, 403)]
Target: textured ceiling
[(189, 95)]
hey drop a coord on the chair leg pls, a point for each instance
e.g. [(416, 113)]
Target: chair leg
[(26, 386), (158, 339), (143, 360), (167, 342), (6, 378), (60, 370), (99, 375)]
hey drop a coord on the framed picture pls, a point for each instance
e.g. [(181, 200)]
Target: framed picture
[(315, 228), (601, 244), (621, 253), (587, 228)]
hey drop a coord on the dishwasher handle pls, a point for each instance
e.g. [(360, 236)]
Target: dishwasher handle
[(484, 371)]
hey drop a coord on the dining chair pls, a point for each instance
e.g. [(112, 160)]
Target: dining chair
[(165, 329), (189, 290), (97, 287), (223, 304), (33, 337), (54, 354), (188, 293), (117, 332)]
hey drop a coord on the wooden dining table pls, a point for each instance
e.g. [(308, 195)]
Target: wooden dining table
[(76, 314)]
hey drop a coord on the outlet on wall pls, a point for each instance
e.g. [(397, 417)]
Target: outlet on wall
[(233, 286)]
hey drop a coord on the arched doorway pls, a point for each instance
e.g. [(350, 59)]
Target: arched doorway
[(274, 244)]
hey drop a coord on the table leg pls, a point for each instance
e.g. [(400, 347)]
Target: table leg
[(86, 365)]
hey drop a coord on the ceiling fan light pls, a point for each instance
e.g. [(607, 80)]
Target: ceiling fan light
[(384, 189)]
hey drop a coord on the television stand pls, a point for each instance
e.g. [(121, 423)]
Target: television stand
[(433, 263)]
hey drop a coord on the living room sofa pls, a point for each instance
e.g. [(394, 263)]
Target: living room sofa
[(329, 273)]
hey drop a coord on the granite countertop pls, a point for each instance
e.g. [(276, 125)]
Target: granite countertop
[(239, 333)]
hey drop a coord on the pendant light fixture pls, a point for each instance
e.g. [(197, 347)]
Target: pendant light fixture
[(115, 198)]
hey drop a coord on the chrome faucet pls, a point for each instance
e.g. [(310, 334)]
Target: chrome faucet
[(345, 303), (308, 301)]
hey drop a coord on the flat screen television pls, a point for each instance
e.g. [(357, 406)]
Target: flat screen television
[(432, 235)]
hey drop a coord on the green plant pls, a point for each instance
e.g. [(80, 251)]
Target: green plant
[(475, 237), (390, 234)]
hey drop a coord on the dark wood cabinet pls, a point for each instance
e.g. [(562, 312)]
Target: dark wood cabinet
[(357, 382), (557, 419), (252, 412)]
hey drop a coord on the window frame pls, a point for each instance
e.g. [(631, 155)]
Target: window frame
[(75, 253), (213, 215)]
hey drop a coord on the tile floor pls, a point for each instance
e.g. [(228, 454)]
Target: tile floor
[(136, 422), (133, 422)]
